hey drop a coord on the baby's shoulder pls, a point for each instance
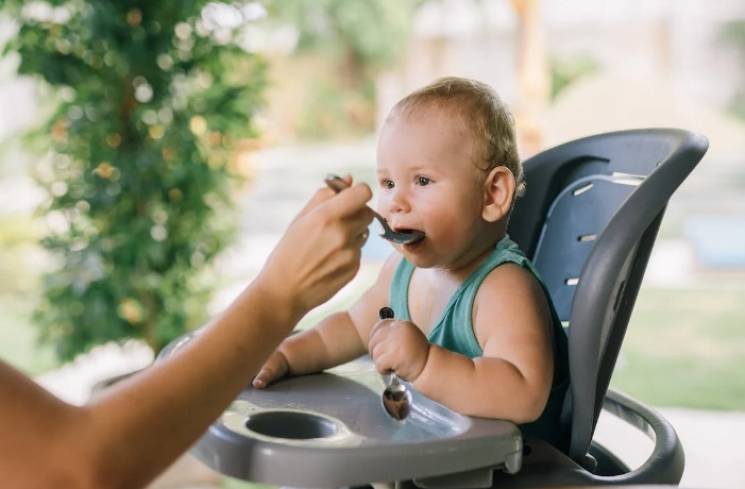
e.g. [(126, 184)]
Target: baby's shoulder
[(388, 270), (391, 264), (507, 276), (510, 301), (508, 286)]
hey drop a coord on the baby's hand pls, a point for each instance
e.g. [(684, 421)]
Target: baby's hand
[(399, 346), (273, 369)]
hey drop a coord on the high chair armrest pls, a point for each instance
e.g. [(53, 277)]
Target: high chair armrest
[(545, 466), (665, 464)]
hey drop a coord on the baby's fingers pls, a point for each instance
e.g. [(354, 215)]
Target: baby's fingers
[(385, 363), (263, 378), (273, 369), (378, 333)]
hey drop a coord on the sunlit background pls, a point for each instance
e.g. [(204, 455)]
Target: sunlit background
[(316, 79)]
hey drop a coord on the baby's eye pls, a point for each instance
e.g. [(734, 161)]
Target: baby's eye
[(386, 183), (420, 180)]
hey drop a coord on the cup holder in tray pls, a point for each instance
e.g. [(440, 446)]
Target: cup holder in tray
[(293, 425)]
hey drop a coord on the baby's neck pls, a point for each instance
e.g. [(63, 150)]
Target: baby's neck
[(471, 260)]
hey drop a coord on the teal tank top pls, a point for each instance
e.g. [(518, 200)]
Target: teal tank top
[(454, 331)]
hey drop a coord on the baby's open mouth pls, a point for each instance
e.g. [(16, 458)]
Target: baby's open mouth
[(407, 230), (414, 235), (399, 234)]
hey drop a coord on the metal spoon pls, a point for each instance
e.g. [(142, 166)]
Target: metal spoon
[(396, 397), (337, 184)]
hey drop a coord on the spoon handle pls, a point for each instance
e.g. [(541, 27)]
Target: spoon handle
[(387, 313), (337, 184)]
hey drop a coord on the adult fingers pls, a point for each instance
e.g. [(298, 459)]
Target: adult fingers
[(321, 195), (362, 238), (350, 202), (359, 222), (343, 267)]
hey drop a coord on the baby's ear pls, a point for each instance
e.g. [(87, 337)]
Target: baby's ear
[(499, 191)]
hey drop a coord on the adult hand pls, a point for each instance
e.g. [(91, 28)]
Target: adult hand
[(399, 346), (320, 251)]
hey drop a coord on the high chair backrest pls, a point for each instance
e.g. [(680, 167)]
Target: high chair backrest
[(588, 221)]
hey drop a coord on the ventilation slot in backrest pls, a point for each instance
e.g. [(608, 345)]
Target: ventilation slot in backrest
[(576, 219)]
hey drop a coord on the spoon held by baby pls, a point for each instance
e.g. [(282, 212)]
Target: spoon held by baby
[(396, 397)]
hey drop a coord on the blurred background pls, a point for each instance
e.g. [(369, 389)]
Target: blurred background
[(151, 154)]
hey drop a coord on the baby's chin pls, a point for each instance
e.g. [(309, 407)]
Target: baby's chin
[(418, 259), (422, 255), (419, 262)]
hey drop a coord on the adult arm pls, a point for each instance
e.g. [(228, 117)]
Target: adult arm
[(135, 430)]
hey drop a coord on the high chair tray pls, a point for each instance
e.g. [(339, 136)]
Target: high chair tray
[(331, 430)]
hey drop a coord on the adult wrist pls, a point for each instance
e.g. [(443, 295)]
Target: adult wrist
[(278, 301)]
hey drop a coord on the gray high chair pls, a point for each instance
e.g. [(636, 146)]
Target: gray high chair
[(589, 220)]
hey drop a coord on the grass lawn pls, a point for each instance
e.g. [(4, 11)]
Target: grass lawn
[(685, 347)]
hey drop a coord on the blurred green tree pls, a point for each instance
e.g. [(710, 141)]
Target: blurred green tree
[(359, 39), (146, 110), (567, 70)]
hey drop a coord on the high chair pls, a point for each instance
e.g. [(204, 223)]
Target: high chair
[(588, 221)]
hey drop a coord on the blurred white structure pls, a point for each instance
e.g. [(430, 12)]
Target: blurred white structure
[(676, 42)]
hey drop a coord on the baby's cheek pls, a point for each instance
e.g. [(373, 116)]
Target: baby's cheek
[(441, 209)]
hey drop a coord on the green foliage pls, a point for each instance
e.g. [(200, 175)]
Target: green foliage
[(331, 110), (358, 39), (369, 34), (565, 71), (145, 119)]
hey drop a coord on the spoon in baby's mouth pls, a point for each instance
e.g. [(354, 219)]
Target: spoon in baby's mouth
[(337, 184), (396, 397)]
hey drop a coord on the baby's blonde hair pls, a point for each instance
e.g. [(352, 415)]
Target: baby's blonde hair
[(482, 109)]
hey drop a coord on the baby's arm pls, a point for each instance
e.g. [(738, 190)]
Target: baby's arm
[(512, 380), (339, 338)]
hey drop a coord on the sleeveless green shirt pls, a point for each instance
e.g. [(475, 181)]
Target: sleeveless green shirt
[(454, 331)]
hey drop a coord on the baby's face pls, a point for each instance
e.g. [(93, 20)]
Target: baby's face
[(428, 182)]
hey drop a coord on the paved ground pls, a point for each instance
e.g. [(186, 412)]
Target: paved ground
[(712, 441)]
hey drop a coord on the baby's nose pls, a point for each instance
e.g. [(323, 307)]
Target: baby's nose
[(399, 202)]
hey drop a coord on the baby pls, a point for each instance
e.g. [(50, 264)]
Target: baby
[(474, 327)]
